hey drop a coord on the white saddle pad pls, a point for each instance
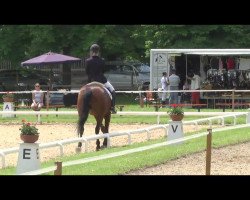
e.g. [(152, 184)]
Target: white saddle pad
[(108, 92)]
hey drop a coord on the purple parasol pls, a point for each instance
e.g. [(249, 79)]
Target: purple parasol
[(50, 58)]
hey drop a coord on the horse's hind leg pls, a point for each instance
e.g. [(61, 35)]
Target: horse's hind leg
[(79, 146), (106, 129), (97, 130), (80, 134)]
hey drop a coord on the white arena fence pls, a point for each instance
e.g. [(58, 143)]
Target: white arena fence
[(157, 114), (140, 149), (87, 139), (126, 91), (113, 155), (39, 113)]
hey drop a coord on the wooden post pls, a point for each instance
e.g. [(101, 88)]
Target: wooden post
[(56, 110), (58, 170), (209, 151), (47, 100), (233, 100)]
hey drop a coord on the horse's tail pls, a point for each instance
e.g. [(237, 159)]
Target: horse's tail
[(85, 111)]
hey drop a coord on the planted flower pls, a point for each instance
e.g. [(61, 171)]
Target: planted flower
[(8, 97), (176, 112), (29, 132)]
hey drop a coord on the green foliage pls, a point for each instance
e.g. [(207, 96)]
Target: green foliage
[(131, 42), (21, 42), (28, 129), (196, 36), (8, 95), (175, 110), (14, 42)]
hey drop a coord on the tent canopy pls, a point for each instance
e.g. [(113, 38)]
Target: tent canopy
[(205, 51), (50, 58)]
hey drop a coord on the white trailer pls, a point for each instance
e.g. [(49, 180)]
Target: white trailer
[(162, 59)]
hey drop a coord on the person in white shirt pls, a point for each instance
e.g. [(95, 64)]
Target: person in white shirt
[(164, 87), (37, 98), (173, 82), (195, 85)]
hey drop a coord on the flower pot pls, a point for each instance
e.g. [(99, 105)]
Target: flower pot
[(29, 138), (8, 99), (176, 117)]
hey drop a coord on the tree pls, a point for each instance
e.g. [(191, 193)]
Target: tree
[(14, 42), (196, 36), (21, 42)]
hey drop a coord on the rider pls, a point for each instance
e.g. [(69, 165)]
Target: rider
[(95, 69)]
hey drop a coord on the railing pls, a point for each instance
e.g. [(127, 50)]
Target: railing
[(140, 149), (157, 114), (86, 139), (57, 170), (130, 151)]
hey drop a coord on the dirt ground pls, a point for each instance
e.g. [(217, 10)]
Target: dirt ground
[(229, 160), (10, 137)]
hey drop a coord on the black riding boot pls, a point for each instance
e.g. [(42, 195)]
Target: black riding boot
[(113, 111)]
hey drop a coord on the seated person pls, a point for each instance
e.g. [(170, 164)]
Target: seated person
[(37, 98)]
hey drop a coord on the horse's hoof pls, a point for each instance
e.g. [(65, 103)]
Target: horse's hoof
[(79, 144), (78, 149)]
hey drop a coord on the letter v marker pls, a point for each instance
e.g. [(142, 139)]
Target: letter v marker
[(174, 129)]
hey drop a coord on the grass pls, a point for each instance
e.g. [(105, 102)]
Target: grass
[(122, 99), (130, 105), (134, 161), (126, 119), (123, 164)]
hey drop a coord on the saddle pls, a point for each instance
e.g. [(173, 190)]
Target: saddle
[(94, 83)]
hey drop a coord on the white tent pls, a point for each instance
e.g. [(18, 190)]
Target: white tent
[(159, 59)]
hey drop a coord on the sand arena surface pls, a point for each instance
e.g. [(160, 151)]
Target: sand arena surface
[(229, 160), (10, 137)]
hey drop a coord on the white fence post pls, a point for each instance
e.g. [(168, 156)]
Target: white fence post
[(28, 157), (248, 117), (175, 130)]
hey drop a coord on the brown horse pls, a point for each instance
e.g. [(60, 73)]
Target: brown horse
[(94, 99)]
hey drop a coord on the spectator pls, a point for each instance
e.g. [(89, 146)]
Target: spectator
[(173, 82), (214, 63), (230, 63), (164, 86), (195, 85), (186, 96), (37, 98)]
